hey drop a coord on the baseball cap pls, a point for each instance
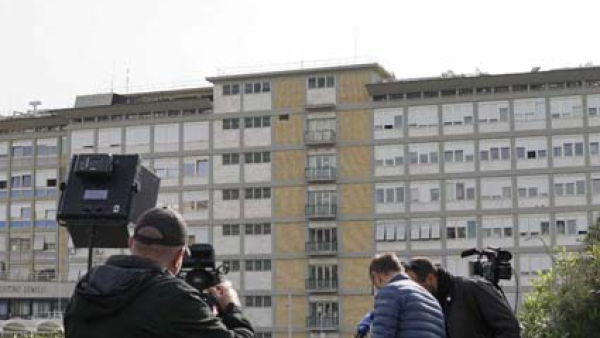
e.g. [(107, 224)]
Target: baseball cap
[(169, 228)]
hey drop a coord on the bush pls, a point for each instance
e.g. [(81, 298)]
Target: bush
[(565, 301)]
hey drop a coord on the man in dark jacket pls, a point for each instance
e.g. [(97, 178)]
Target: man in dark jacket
[(403, 309), (473, 307), (141, 296)]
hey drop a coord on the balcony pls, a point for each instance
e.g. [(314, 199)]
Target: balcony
[(322, 323), (320, 137), (324, 285), (320, 174), (321, 247), (321, 211)]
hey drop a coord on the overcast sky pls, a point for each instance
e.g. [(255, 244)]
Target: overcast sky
[(53, 50)]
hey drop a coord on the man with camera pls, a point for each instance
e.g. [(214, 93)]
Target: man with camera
[(473, 307), (403, 309), (141, 296)]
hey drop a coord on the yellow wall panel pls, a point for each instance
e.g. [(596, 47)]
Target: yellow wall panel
[(289, 237), (355, 125), (288, 92), (356, 199), (289, 201), (352, 87), (355, 273), (289, 131), (289, 165), (356, 236), (355, 162), (354, 308), (299, 312), (290, 274)]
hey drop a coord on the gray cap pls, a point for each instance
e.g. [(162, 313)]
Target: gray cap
[(171, 228)]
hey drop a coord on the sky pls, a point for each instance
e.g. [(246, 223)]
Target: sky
[(53, 50)]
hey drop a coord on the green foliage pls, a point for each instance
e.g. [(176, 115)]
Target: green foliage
[(565, 301)]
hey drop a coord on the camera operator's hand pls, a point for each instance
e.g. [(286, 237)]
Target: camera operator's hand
[(225, 295)]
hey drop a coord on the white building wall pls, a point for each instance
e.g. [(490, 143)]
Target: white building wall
[(431, 167), (493, 116), (486, 147), (534, 144), (570, 181), (424, 200), (390, 235), (199, 214), (257, 137), (457, 265), (460, 199), (574, 230), (423, 121), (226, 103), (225, 173), (468, 157), (566, 112), (254, 102), (224, 209), (257, 208), (258, 280), (530, 114), (595, 187), (386, 124), (226, 245), (425, 234), (196, 135), (110, 140), (259, 317), (137, 139), (594, 149), (390, 206), (531, 230), (496, 192), (82, 141), (389, 160), (565, 159), (197, 177), (225, 138), (498, 231), (533, 191), (593, 110), (457, 118), (257, 244), (259, 172), (531, 264)]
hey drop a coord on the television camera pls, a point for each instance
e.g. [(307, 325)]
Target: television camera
[(200, 271), (497, 265)]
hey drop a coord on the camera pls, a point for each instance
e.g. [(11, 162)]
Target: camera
[(497, 265), (200, 271)]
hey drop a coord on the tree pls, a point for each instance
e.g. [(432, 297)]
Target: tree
[(565, 301)]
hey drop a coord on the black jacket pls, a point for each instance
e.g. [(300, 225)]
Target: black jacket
[(130, 296), (474, 308)]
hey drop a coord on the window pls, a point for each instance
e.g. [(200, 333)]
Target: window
[(258, 193), (258, 301), (230, 159), (257, 87), (317, 82), (258, 229), (231, 89), (233, 123), (257, 122), (231, 194), (231, 229), (258, 265), (390, 195), (195, 167), (257, 158), (233, 265)]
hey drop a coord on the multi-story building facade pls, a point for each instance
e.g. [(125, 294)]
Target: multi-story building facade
[(298, 177)]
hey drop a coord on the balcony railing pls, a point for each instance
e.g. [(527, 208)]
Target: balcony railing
[(316, 137), (331, 322), (321, 247), (320, 174), (321, 284), (316, 211)]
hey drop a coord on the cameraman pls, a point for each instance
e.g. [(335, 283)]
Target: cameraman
[(141, 296), (473, 307)]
